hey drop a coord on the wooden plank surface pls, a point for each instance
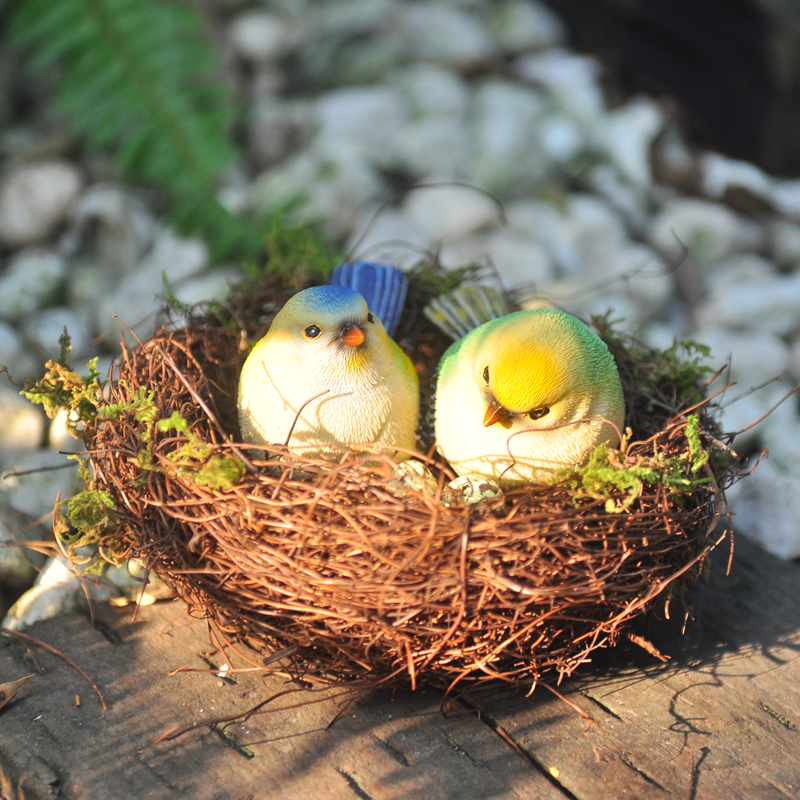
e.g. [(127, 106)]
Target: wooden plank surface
[(720, 720)]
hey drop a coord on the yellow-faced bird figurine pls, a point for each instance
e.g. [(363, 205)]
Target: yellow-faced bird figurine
[(326, 346), (522, 396)]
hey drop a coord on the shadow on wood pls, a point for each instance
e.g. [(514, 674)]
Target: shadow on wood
[(720, 719)]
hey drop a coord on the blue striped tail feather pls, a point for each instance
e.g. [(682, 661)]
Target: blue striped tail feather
[(383, 286)]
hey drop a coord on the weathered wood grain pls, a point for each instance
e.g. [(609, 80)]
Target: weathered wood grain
[(390, 746), (720, 720)]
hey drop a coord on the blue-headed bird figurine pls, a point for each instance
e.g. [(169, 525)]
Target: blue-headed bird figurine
[(328, 372)]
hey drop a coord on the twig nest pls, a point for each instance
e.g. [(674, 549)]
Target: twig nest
[(396, 573)]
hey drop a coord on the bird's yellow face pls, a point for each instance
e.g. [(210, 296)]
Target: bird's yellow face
[(526, 369)]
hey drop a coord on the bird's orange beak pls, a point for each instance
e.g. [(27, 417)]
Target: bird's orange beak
[(495, 413), (352, 335)]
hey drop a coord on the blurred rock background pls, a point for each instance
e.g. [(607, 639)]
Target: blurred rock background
[(644, 152)]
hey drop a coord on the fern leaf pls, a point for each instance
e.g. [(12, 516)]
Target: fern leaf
[(138, 76)]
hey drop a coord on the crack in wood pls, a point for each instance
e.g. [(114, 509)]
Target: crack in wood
[(626, 760), (462, 752), (536, 764), (353, 784), (776, 715), (232, 741), (106, 631), (602, 705), (392, 751)]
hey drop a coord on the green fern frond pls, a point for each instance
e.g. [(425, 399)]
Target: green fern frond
[(138, 76)]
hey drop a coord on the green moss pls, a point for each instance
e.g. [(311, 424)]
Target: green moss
[(295, 254), (427, 279), (143, 403), (698, 455), (195, 459), (62, 388), (606, 476), (220, 472)]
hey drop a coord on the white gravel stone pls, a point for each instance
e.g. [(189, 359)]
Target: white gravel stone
[(626, 136), (277, 128), (21, 422), (753, 357), (35, 492), (570, 79), (630, 200), (42, 602), (361, 117), (344, 18), (506, 157), (770, 307), (740, 410), (519, 26), (31, 281), (44, 328), (449, 212), (794, 361), (216, 285), (111, 226), (34, 199), (432, 91), (766, 508), (260, 36), (58, 437), (14, 355), (138, 297), (780, 433), (785, 197), (175, 257), (537, 218), (588, 231), (720, 173), (784, 239), (90, 286), (738, 268), (435, 31), (521, 262), (560, 137), (431, 147), (634, 271), (19, 566), (709, 231), (388, 238), (326, 192)]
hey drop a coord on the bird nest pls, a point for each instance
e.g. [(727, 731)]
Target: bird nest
[(347, 573)]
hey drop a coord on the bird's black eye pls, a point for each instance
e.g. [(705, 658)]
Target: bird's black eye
[(538, 413), (486, 374), (370, 318), (312, 331)]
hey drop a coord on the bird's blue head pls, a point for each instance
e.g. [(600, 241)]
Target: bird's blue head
[(328, 316), (327, 300)]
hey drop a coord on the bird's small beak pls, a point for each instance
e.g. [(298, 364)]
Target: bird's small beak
[(352, 335), (495, 413)]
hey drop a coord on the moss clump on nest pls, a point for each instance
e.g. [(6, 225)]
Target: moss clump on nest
[(359, 582)]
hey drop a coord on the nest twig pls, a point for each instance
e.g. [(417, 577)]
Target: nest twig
[(359, 581)]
